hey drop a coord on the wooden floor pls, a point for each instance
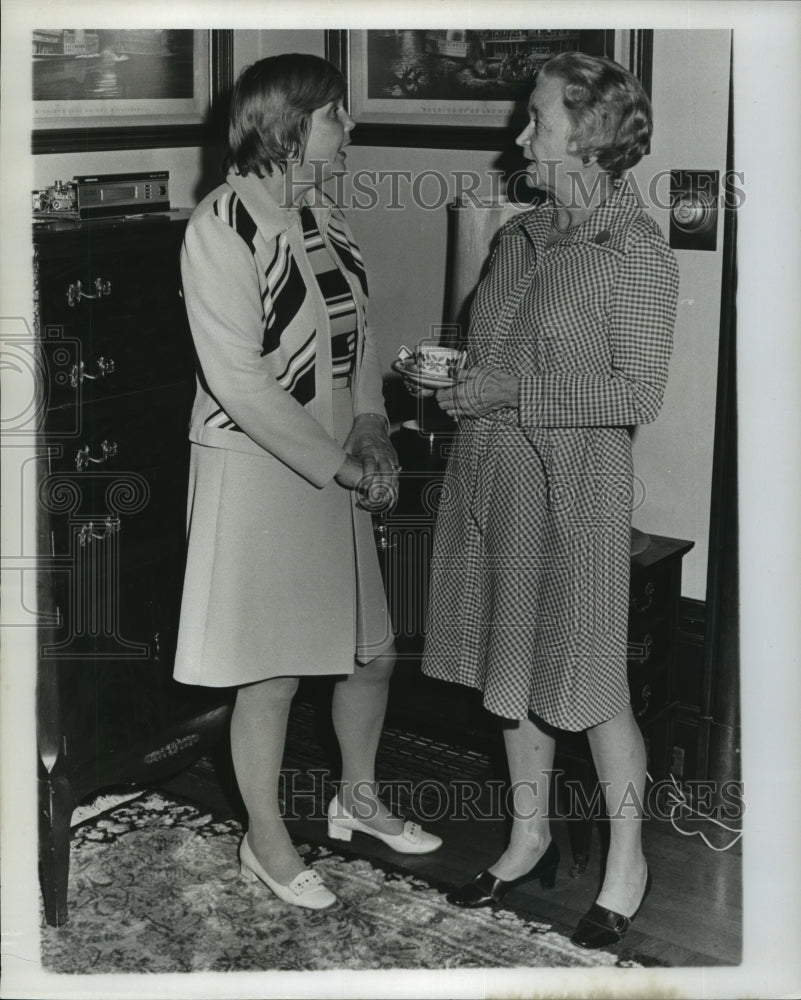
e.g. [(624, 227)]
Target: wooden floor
[(693, 916)]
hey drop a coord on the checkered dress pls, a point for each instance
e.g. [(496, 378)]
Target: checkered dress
[(530, 568)]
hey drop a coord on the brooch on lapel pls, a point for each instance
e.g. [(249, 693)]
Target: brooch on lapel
[(603, 237)]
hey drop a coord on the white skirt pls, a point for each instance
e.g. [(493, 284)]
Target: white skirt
[(282, 578)]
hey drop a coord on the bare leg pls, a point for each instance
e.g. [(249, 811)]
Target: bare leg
[(619, 754), (258, 734), (529, 752), (358, 709)]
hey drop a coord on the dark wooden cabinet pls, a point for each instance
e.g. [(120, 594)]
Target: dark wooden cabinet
[(118, 367)]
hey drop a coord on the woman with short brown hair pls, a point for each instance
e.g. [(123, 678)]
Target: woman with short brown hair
[(290, 453)]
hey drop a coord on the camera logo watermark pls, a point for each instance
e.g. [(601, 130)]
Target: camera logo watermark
[(71, 513)]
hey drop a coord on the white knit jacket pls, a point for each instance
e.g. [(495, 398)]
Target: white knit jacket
[(261, 329)]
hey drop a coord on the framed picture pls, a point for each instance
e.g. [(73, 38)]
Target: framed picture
[(459, 89), (99, 89)]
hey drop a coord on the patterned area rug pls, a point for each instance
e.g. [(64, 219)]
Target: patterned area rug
[(155, 887)]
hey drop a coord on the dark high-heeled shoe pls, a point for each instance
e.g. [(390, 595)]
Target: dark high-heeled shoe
[(599, 927), (486, 889)]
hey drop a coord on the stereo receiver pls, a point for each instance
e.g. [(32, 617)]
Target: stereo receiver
[(103, 195)]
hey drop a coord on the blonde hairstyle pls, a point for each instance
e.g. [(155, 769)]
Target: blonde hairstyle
[(271, 107), (610, 111)]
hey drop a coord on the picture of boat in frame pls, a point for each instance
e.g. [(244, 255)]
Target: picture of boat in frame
[(123, 88), (102, 65), (460, 88)]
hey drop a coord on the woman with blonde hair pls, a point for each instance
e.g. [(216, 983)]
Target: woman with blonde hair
[(569, 343)]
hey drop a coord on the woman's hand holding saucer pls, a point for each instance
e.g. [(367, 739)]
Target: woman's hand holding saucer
[(478, 391), (417, 390)]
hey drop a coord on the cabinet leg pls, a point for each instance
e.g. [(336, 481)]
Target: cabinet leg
[(55, 811)]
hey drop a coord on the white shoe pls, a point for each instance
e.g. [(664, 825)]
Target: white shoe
[(306, 889), (411, 840)]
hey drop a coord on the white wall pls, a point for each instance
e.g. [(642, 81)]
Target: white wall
[(406, 256), (673, 456)]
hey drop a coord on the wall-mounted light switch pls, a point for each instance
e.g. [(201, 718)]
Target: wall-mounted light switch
[(694, 209)]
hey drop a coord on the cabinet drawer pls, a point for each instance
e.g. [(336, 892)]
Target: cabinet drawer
[(130, 354), (139, 514), (122, 472), (652, 593), (650, 692), (96, 276), (141, 431), (110, 313), (114, 673), (649, 643)]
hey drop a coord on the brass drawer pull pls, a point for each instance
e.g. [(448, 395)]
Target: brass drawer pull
[(75, 292), (640, 652), (380, 530), (88, 532), (645, 694), (105, 366), (83, 458), (650, 590)]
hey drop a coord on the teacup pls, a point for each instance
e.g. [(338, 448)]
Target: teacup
[(433, 359)]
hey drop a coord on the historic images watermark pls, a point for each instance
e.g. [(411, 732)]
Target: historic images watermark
[(431, 189), (306, 794)]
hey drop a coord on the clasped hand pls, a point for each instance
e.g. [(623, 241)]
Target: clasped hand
[(477, 391), (371, 468)]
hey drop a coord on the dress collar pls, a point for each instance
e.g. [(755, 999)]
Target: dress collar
[(616, 211), (270, 217)]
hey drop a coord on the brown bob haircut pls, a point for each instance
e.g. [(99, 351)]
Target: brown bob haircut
[(610, 111), (271, 108)]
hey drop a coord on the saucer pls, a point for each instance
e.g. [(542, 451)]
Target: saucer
[(426, 380)]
